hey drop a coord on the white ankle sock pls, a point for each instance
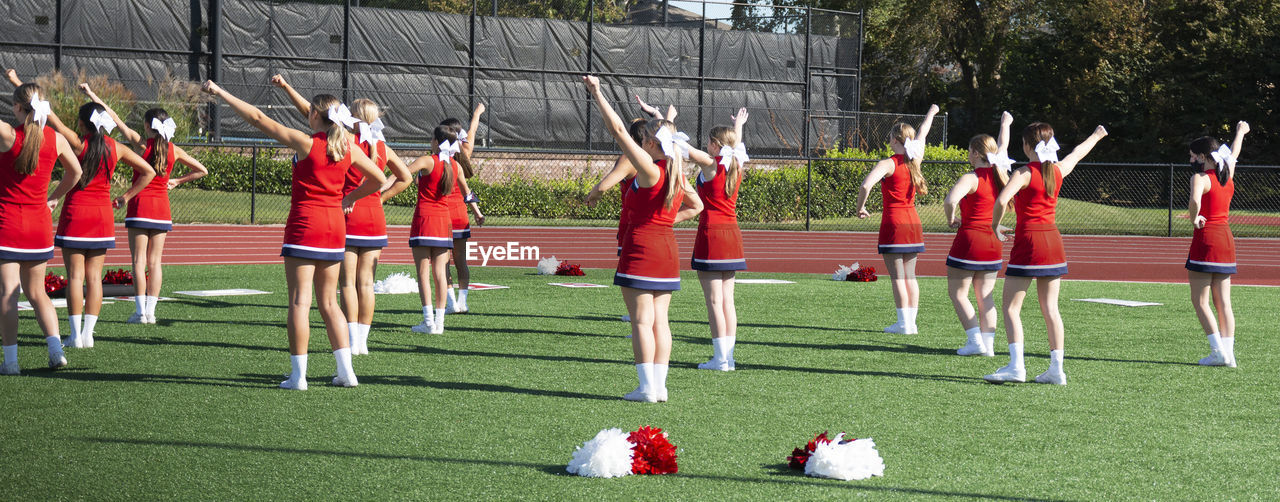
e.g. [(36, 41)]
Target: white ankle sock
[(660, 375), (428, 316), (151, 305), (1015, 355), (727, 349), (76, 321), (975, 335), (462, 296), (139, 305), (439, 318), (911, 315), (10, 355), (90, 321), (353, 334), (54, 343), (1055, 360), (299, 367), (902, 317), (1228, 346), (717, 349), (1215, 342), (645, 372), (343, 359), (364, 331), (989, 341)]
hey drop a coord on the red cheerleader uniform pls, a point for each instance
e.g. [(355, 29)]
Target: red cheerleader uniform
[(25, 223), (718, 246), (432, 225), (458, 220), (650, 259), (150, 208), (976, 246), (367, 223), (316, 228), (900, 229), (87, 220), (1213, 249), (624, 218), (1037, 245)]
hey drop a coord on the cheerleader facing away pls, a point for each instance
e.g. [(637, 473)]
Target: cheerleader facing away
[(901, 234), (717, 249), (431, 234), (460, 199), (86, 226), (148, 217), (1037, 246), (27, 155), (975, 255), (366, 232), (649, 268), (1212, 258), (315, 234)]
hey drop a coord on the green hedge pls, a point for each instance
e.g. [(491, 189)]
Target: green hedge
[(767, 195)]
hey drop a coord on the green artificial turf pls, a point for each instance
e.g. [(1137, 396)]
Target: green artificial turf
[(493, 409)]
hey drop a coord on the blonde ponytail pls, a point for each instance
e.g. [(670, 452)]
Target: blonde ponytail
[(367, 111), (339, 139), (902, 132), (726, 136)]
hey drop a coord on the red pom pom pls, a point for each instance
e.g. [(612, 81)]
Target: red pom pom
[(799, 456), (118, 276), (653, 453), (54, 283), (862, 274), (567, 269)]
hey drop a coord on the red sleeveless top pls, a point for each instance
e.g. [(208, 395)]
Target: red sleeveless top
[(1032, 204), (97, 191), (18, 188), (647, 207), (317, 179), (976, 208), (355, 177), (896, 189), (1215, 204), (719, 206), (429, 193), (160, 184)]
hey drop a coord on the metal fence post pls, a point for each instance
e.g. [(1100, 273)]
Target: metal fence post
[(702, 43), (346, 51), (808, 192), (471, 61), (1170, 200), (193, 61), (253, 186), (215, 62), (57, 35), (591, 29)]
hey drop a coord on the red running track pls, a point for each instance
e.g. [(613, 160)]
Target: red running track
[(1102, 258)]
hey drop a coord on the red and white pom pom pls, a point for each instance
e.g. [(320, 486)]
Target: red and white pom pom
[(843, 272), (548, 266), (853, 459), (608, 455)]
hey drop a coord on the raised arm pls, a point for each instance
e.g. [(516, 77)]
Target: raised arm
[(1069, 164), (70, 172), (130, 135), (292, 138), (195, 169), (1242, 128), (139, 166), (621, 170), (639, 158), (922, 132), (469, 145), (739, 120), (648, 109), (1006, 120), (299, 102), (967, 184), (882, 169), (13, 77), (73, 139)]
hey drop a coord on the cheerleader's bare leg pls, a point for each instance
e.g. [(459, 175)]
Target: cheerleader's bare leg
[(73, 259), (350, 298), (1047, 288), (94, 259), (464, 273), (1226, 316), (896, 264), (155, 251), (730, 318), (440, 272), (984, 286), (643, 342), (31, 275), (661, 343), (366, 267), (138, 243), (958, 283), (1204, 298), (1015, 291), (713, 292)]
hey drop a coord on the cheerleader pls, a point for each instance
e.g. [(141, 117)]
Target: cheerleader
[(316, 230), (27, 155), (366, 232), (1212, 258), (460, 198), (431, 234), (649, 268), (717, 249), (1037, 246), (147, 216), (976, 253), (86, 226), (901, 235)]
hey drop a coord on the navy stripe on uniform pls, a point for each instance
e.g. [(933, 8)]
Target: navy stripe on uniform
[(462, 234), (901, 248), (977, 266), (311, 253), (365, 241), (1036, 270), (1209, 267), (84, 242), (646, 283), (431, 242), (719, 265), (149, 224), (19, 254)]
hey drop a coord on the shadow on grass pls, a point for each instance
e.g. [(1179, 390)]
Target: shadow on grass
[(618, 318), (900, 348), (775, 474), (417, 381), (193, 343), (419, 349), (84, 375)]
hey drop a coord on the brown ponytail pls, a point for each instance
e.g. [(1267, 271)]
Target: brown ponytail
[(96, 152), (442, 134), (160, 148), (1032, 135), (902, 132), (33, 132), (338, 137), (367, 111)]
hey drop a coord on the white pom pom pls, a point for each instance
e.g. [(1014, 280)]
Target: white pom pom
[(608, 455), (857, 459), (843, 272), (548, 266), (397, 283)]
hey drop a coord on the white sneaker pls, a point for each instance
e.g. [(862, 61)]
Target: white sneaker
[(423, 327), (637, 395), (462, 308), (57, 360), (437, 329), (149, 319), (1214, 358), (733, 365), (294, 385), (662, 395), (715, 364), (1007, 374), (345, 382), (72, 342), (988, 351), (1052, 377), (87, 341), (896, 328), (1231, 363), (450, 304), (972, 349), (626, 318), (910, 329), (9, 369), (136, 318)]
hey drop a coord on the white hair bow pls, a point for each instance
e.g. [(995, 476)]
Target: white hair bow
[(372, 133), (1223, 157), (914, 148), (340, 114), (1001, 160), (673, 144), (1047, 151), (167, 128), (448, 149), (728, 153), (102, 120), (39, 109), (462, 136)]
